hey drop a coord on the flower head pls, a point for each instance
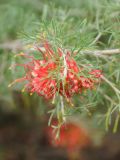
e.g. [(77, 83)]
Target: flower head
[(72, 136), (57, 72)]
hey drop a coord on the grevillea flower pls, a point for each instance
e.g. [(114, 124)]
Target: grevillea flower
[(72, 137), (97, 73), (56, 73)]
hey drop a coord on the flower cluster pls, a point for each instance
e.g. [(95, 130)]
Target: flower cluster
[(72, 136), (57, 73)]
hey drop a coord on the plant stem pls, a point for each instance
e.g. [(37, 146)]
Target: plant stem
[(17, 45)]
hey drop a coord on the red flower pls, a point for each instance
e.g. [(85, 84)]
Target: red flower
[(72, 137), (86, 82), (97, 73), (56, 72)]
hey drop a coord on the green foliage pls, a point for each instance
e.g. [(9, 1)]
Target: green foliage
[(72, 24)]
